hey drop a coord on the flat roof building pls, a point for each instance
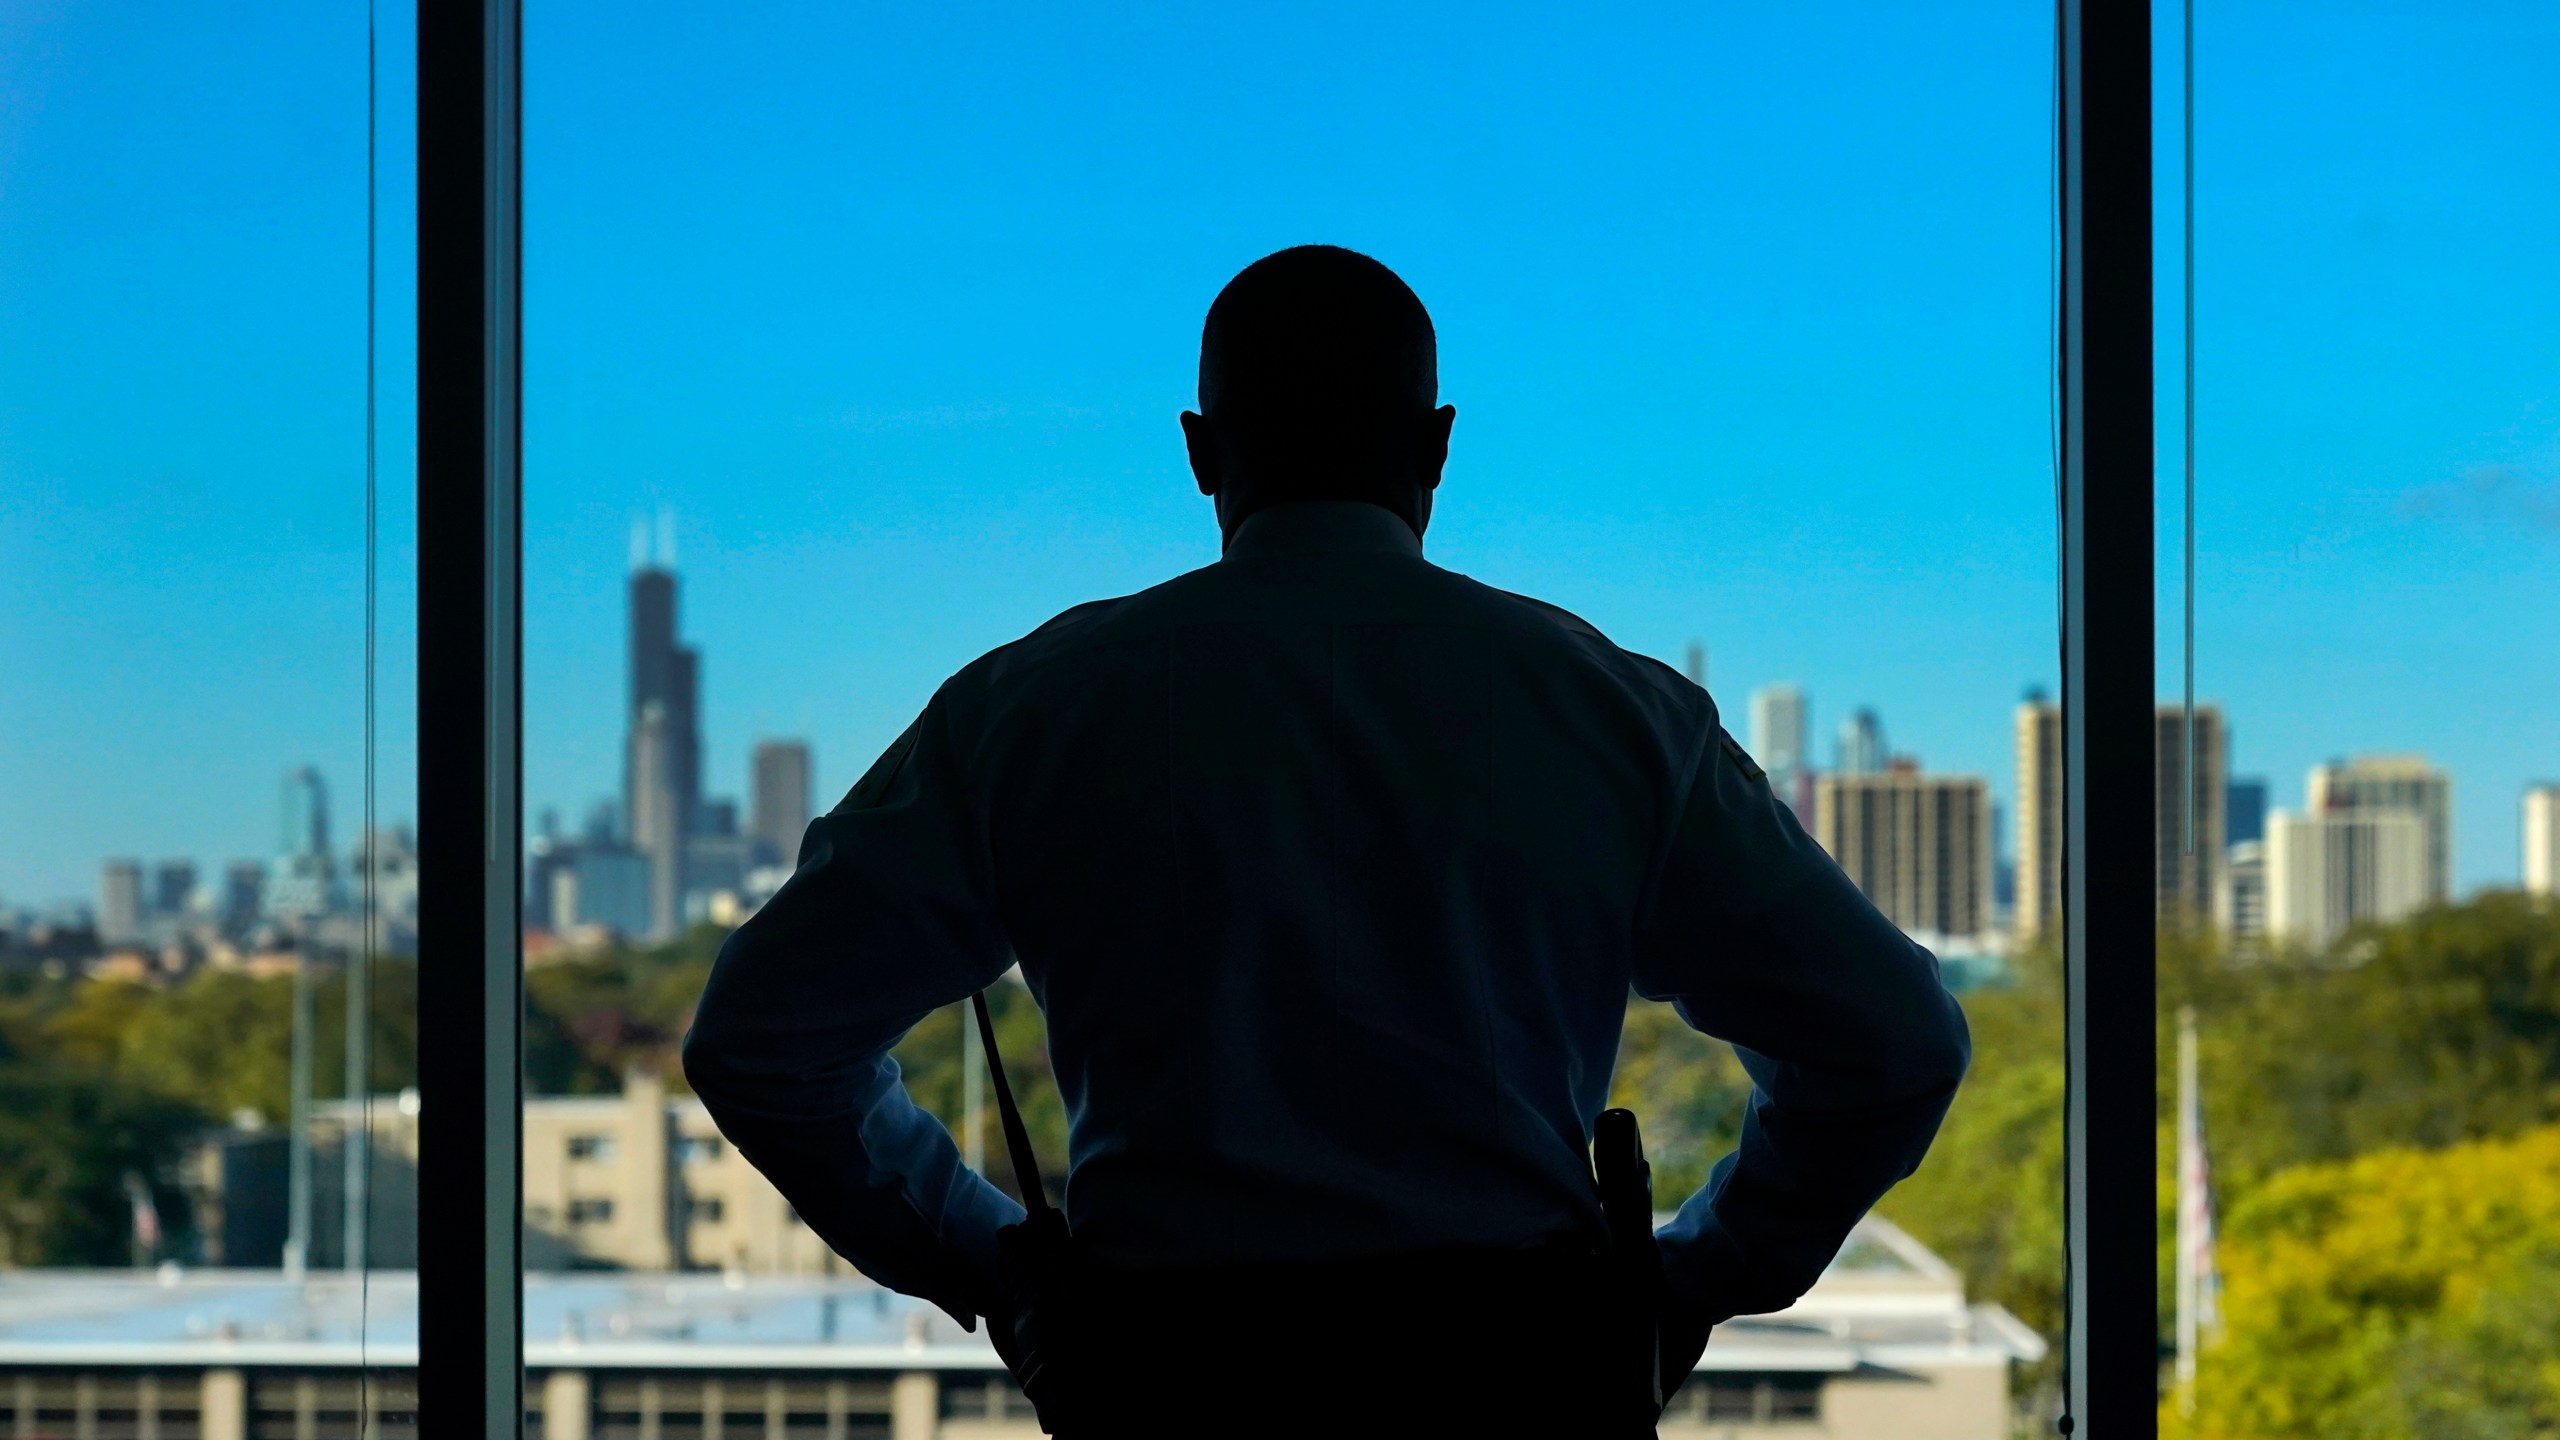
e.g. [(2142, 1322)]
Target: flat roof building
[(1885, 1347)]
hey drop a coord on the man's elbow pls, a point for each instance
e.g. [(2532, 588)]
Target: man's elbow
[(1946, 1051)]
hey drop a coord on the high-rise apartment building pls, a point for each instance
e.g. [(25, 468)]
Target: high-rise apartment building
[(2039, 835), (1862, 749), (2188, 868), (1780, 730), (779, 800), (1918, 845), (120, 902), (2325, 872), (2374, 784), (2542, 840)]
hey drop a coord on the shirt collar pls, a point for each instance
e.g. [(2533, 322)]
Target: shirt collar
[(1323, 526)]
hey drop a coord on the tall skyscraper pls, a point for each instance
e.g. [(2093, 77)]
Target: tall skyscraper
[(1698, 667), (120, 902), (2325, 872), (657, 817), (2375, 784), (303, 815), (2189, 878), (2542, 839), (1862, 749), (304, 883), (1918, 845), (2039, 906), (662, 758), (779, 798), (173, 886)]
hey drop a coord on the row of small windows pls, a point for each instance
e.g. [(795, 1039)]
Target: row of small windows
[(599, 1211), (689, 1149)]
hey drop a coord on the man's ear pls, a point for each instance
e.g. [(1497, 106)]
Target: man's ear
[(1202, 442), (1435, 444)]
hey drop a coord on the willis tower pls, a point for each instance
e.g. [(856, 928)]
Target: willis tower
[(662, 753)]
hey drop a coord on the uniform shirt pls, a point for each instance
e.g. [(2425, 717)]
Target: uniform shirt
[(1331, 871)]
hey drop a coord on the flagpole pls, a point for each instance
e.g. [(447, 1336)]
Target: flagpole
[(2191, 1213)]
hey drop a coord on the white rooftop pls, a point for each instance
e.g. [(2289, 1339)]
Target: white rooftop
[(1886, 1301)]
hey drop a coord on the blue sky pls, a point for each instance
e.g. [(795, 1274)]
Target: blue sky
[(1744, 312)]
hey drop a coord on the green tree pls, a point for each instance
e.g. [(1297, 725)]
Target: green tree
[(2404, 1295)]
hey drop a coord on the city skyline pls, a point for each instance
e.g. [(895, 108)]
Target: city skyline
[(914, 391)]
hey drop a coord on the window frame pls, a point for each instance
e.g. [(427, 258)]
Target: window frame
[(470, 748)]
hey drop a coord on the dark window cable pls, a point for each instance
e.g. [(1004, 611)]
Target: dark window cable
[(2056, 391), (358, 1244), (2187, 332)]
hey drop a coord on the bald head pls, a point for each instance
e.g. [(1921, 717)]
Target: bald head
[(1319, 373)]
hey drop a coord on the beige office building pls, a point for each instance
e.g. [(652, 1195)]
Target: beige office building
[(636, 1181), (2326, 872), (2379, 784), (1918, 845), (2039, 817), (2189, 869), (2542, 840)]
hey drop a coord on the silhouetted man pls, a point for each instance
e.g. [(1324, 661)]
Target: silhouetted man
[(1332, 871)]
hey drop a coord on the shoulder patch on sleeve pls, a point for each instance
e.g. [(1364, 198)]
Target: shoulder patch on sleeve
[(1740, 757)]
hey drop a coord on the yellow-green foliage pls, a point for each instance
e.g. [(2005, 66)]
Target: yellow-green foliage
[(2405, 1293)]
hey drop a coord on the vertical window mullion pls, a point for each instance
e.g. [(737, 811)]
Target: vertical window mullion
[(470, 983), (2109, 817)]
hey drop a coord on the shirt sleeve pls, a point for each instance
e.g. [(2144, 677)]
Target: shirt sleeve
[(1853, 1045), (886, 920)]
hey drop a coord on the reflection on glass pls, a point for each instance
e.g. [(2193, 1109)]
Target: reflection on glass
[(208, 880), (2360, 992), (854, 349)]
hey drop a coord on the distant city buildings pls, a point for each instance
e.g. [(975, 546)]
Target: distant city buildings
[(2244, 890), (120, 903), (2188, 870), (1918, 845), (2038, 907), (2325, 872), (780, 789), (2394, 784), (667, 854), (1861, 748), (1781, 731), (2542, 839), (2244, 809)]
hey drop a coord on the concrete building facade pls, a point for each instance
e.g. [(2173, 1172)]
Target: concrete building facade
[(2325, 872), (2039, 821), (2189, 875), (2379, 784), (1918, 845), (2542, 840)]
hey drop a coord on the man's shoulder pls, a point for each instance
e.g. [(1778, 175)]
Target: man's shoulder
[(1579, 642)]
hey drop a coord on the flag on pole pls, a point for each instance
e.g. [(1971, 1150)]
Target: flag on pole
[(146, 1219), (2199, 1286)]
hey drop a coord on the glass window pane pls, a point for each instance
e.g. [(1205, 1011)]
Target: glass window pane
[(855, 345), (2359, 1017), (208, 887)]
